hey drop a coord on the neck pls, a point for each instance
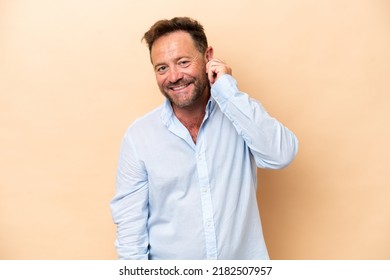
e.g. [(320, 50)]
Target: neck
[(192, 116)]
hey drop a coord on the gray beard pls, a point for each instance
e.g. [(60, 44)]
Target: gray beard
[(199, 90)]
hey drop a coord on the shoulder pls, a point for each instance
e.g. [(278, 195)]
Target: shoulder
[(149, 117), (145, 126)]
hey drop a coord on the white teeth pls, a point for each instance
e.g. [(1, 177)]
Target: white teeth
[(179, 88)]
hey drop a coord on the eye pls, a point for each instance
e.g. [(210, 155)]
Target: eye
[(184, 63), (161, 69)]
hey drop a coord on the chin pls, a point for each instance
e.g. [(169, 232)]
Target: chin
[(182, 103)]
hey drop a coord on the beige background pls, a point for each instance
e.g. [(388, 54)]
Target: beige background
[(74, 75)]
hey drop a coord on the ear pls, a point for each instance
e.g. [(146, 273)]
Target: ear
[(209, 54)]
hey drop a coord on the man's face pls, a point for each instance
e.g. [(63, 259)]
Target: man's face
[(180, 69)]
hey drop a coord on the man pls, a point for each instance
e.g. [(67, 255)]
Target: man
[(186, 178)]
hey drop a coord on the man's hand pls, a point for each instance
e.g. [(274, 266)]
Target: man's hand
[(215, 68)]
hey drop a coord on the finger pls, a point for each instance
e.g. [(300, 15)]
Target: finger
[(218, 61), (211, 76), (210, 72), (215, 68)]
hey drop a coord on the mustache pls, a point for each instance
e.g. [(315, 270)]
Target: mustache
[(180, 82)]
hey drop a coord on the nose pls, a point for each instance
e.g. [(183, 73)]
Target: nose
[(174, 74)]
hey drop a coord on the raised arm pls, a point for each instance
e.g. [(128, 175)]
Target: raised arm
[(272, 144)]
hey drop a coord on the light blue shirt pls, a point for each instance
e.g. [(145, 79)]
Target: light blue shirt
[(179, 200)]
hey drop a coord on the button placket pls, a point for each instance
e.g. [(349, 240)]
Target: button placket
[(207, 205)]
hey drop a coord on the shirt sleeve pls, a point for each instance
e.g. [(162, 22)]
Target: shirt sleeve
[(271, 143), (130, 204)]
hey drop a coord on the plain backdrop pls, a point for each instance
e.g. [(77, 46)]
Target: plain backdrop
[(75, 74)]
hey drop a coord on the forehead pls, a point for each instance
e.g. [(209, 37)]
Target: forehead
[(173, 45)]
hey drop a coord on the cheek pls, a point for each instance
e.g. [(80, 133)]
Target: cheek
[(160, 80), (199, 72)]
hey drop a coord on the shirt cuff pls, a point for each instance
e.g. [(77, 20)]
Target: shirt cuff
[(224, 88)]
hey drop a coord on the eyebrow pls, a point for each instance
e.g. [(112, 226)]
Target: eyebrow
[(194, 58)]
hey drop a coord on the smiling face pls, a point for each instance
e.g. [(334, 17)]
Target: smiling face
[(180, 69)]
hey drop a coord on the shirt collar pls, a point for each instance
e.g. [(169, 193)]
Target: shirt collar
[(167, 110)]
